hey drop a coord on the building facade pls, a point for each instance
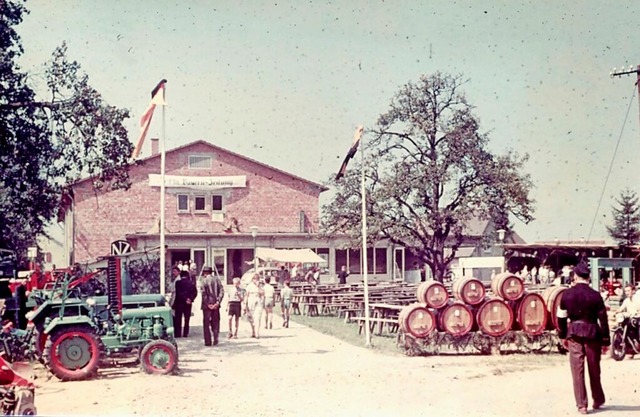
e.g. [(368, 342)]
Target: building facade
[(213, 200)]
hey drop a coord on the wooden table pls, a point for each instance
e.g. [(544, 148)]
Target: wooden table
[(385, 313)]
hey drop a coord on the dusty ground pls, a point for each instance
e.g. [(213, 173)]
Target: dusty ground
[(299, 372)]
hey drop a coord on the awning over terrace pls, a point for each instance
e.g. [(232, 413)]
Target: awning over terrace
[(288, 255)]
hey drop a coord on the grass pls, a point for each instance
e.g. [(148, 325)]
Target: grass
[(348, 332), (478, 365)]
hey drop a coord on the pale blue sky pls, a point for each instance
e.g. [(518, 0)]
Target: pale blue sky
[(287, 82)]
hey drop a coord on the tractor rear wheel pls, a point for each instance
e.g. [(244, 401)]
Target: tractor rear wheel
[(72, 353), (159, 357)]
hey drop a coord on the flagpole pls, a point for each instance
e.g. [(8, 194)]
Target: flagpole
[(367, 334), (162, 203)]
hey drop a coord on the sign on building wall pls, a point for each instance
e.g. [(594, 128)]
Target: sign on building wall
[(201, 183)]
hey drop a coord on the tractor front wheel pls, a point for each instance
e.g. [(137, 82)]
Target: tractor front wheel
[(159, 357), (72, 353)]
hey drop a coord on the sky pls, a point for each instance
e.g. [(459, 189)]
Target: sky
[(287, 82)]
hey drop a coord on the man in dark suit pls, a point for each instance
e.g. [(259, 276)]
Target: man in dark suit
[(185, 294), (212, 295), (342, 275), (584, 329)]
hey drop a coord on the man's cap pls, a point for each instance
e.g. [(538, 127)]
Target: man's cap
[(207, 269), (582, 270)]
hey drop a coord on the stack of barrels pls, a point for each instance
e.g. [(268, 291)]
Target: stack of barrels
[(469, 308)]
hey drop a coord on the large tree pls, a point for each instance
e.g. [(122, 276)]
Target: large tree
[(626, 220), (46, 144), (428, 173)]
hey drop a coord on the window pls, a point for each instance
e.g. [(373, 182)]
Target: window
[(216, 203), (200, 161), (183, 202), (199, 203)]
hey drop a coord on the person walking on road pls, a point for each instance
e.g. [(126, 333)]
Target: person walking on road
[(254, 304), (286, 298), (269, 301), (212, 295), (236, 296), (185, 294), (584, 330)]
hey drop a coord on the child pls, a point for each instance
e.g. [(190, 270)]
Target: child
[(286, 296), (236, 297)]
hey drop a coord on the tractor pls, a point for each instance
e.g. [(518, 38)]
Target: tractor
[(78, 338)]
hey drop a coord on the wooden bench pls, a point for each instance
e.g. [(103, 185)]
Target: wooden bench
[(349, 312), (311, 309), (392, 324)]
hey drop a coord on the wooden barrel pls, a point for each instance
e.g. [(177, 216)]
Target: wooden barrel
[(417, 320), (552, 296), (455, 319), (531, 314), (507, 286), (468, 290), (432, 293), (494, 317)]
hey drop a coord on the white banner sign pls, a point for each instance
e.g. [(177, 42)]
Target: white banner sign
[(202, 183)]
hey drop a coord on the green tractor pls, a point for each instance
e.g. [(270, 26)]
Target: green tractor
[(75, 344)]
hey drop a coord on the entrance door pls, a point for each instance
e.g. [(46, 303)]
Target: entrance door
[(219, 263), (198, 255), (398, 264)]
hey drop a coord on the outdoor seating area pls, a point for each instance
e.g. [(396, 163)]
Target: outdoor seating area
[(386, 300)]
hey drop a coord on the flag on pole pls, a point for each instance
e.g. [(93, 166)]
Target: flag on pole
[(157, 98), (351, 153)]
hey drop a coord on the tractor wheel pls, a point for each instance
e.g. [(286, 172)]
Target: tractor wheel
[(618, 348), (159, 357), (72, 353)]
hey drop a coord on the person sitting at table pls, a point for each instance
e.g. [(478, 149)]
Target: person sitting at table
[(312, 276)]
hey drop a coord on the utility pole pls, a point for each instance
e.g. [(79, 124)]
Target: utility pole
[(631, 70)]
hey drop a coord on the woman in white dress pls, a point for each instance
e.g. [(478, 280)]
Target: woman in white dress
[(254, 305)]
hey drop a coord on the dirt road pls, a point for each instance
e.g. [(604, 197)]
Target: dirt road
[(299, 372)]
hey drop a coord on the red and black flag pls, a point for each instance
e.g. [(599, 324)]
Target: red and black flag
[(351, 153), (157, 97)]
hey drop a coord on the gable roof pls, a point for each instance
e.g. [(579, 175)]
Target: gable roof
[(237, 155), (220, 149)]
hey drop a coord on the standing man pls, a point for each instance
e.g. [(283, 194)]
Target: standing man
[(342, 275), (186, 292), (585, 336), (212, 295)]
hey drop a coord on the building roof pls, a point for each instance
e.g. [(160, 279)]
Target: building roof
[(220, 149)]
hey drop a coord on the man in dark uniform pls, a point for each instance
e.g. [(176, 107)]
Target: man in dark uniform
[(186, 292), (212, 295), (585, 335)]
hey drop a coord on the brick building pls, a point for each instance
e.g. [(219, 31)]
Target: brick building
[(213, 197)]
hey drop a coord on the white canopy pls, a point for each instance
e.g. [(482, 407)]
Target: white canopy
[(288, 255)]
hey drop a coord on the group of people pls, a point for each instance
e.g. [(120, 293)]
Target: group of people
[(256, 300)]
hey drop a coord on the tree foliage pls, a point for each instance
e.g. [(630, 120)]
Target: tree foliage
[(46, 144), (626, 220), (429, 173)]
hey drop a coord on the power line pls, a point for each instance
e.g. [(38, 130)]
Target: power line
[(613, 158)]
